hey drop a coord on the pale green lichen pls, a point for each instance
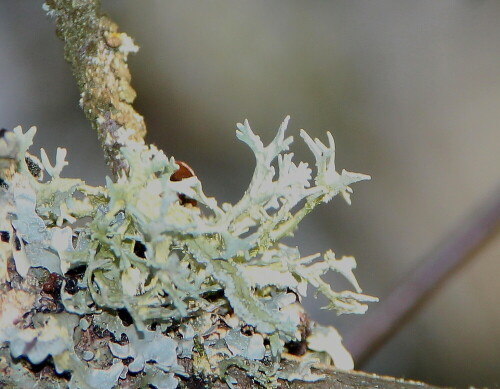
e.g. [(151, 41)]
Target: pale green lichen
[(194, 280)]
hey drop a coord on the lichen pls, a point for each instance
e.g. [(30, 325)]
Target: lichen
[(140, 280)]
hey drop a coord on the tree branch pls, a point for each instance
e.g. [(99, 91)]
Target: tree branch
[(431, 273), (334, 379), (98, 54)]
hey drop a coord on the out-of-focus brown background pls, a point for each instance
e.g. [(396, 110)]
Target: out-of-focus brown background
[(410, 90)]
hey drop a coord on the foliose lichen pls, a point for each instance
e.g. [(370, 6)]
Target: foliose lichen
[(117, 285)]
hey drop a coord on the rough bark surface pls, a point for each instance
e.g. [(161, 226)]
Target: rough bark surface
[(334, 379), (98, 53)]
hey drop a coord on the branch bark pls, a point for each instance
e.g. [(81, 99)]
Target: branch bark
[(334, 379), (98, 54)]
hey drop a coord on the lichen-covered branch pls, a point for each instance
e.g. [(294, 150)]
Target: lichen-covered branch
[(98, 54), (332, 379), (200, 283), (147, 281)]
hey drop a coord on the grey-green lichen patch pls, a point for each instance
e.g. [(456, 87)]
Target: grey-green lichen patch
[(52, 335), (328, 340), (250, 347), (147, 281), (147, 346)]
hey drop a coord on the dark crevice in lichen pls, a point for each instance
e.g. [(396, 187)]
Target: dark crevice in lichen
[(4, 236), (125, 317), (33, 167)]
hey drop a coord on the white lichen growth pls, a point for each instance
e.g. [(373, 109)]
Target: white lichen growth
[(191, 278)]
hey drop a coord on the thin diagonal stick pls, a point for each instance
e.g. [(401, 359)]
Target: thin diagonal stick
[(392, 313)]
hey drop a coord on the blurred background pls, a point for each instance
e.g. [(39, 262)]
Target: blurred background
[(409, 89)]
